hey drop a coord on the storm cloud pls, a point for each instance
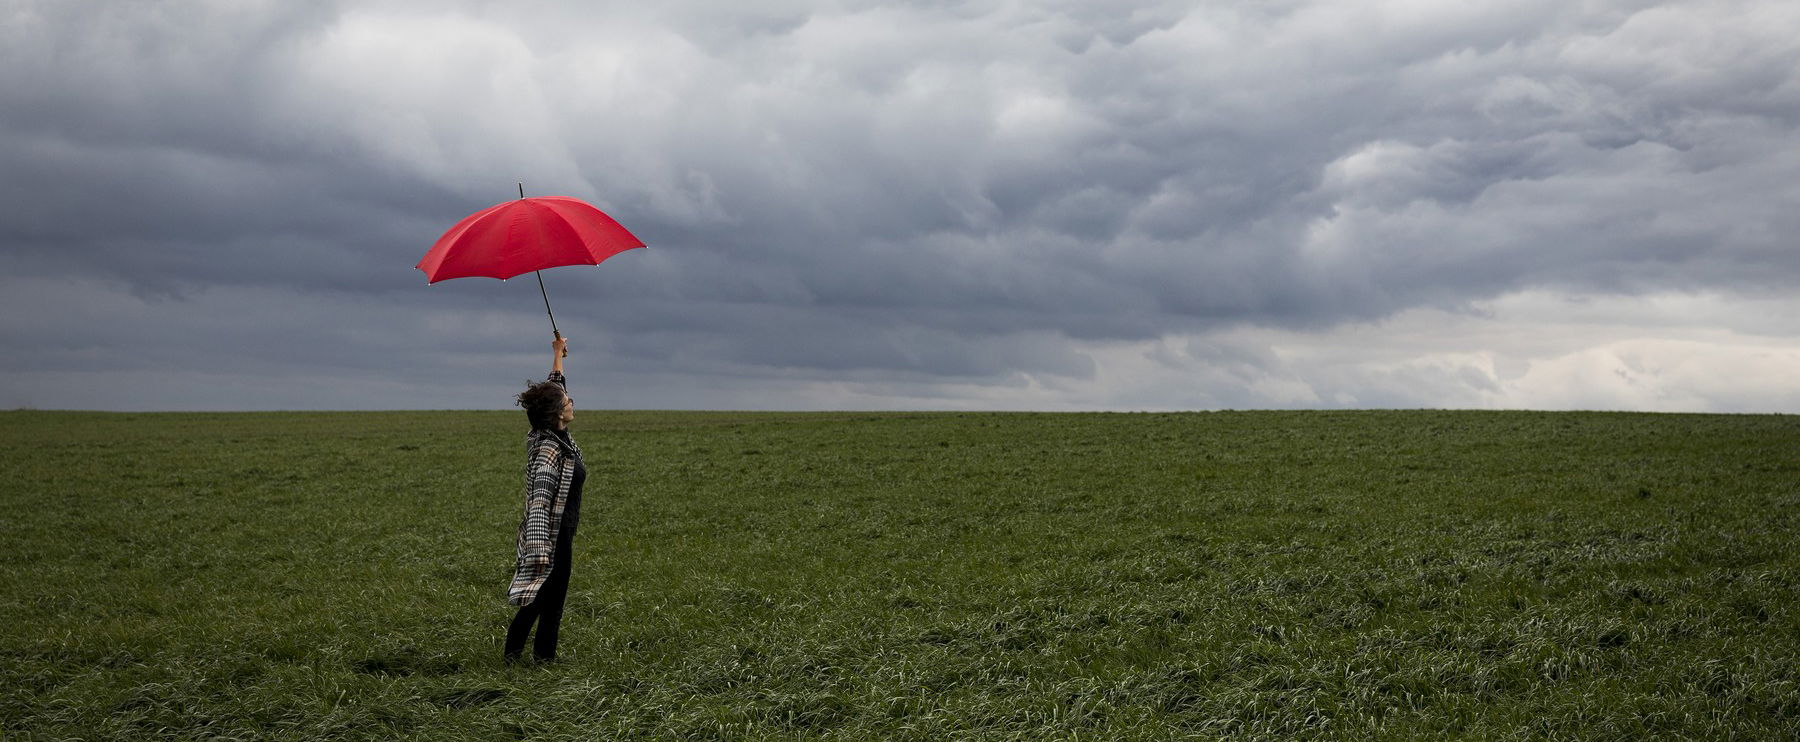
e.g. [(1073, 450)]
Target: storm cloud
[(1049, 205)]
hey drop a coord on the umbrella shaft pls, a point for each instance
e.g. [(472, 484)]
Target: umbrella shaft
[(546, 294), (540, 278)]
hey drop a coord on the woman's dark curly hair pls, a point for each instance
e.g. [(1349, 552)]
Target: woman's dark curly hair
[(543, 403)]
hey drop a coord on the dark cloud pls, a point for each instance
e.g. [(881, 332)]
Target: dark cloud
[(925, 200)]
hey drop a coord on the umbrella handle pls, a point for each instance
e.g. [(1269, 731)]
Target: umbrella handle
[(540, 278)]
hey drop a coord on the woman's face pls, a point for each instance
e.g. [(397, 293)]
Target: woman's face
[(568, 410)]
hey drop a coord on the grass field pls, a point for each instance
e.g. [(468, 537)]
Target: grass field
[(1343, 575)]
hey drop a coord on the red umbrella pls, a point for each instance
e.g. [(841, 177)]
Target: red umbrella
[(526, 236)]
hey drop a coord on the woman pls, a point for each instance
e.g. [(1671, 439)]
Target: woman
[(553, 477)]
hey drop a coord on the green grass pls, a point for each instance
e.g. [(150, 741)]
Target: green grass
[(1342, 575)]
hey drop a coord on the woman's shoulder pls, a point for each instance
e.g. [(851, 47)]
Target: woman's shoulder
[(538, 441)]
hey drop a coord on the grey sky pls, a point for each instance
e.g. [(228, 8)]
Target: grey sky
[(1051, 205)]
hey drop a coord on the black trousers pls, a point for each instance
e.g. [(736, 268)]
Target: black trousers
[(547, 609)]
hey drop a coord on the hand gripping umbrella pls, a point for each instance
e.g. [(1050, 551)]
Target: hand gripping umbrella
[(526, 236)]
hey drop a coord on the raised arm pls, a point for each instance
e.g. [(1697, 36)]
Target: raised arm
[(559, 348)]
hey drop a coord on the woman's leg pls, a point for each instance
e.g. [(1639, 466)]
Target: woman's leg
[(520, 628), (550, 601)]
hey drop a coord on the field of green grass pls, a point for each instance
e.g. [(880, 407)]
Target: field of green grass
[(926, 576)]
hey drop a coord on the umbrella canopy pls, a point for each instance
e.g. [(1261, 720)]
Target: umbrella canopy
[(526, 235)]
